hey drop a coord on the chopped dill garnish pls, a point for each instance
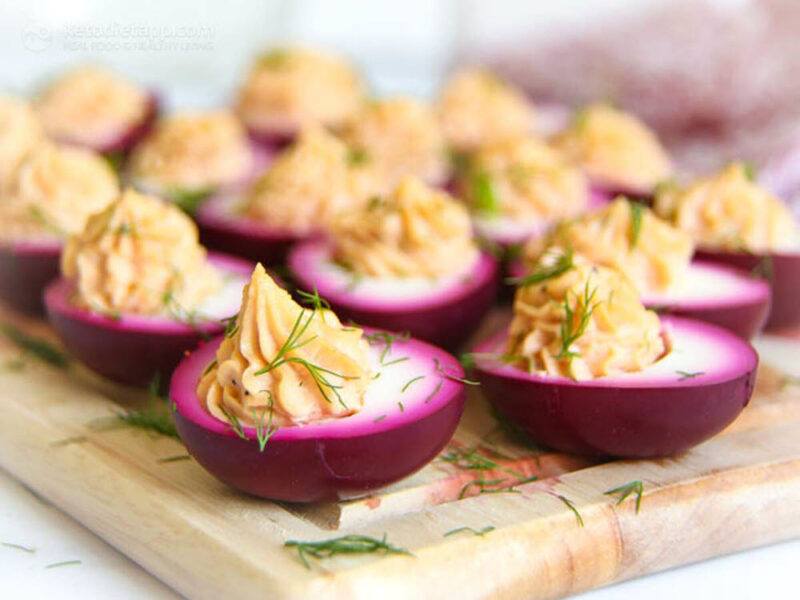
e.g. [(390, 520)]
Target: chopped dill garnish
[(470, 460), (572, 507), (40, 348), (411, 382), (625, 490), (440, 370), (401, 406), (63, 563), (40, 217), (563, 263), (388, 340), (189, 200), (374, 202), (357, 157), (477, 532), (13, 365), (750, 171), (482, 484), (178, 313), (395, 361), (273, 59), (356, 279), (75, 439), (379, 419), (176, 458), (28, 549), (348, 544), (484, 197), (689, 374), (210, 366), (231, 325), (433, 393), (637, 211), (764, 268), (320, 375), (155, 419), (570, 331)]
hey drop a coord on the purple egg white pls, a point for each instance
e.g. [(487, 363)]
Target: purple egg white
[(782, 272), (693, 392), (718, 294), (26, 267), (123, 141), (224, 228), (412, 407), (133, 349), (443, 311)]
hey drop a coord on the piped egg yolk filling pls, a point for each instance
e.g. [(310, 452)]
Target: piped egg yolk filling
[(626, 236), (524, 178), (417, 231), (91, 105), (140, 255), (476, 108), (54, 191), (290, 88), (20, 132), (283, 364), (730, 211), (615, 149), (583, 322), (308, 185), (398, 137), (193, 151)]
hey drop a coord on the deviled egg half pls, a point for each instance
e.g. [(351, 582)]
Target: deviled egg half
[(404, 262), (137, 290), (398, 137), (734, 221), (48, 196), (616, 150), (95, 108), (20, 133), (296, 198), (657, 258), (584, 367), (476, 108), (517, 188), (288, 89), (292, 405), (191, 155)]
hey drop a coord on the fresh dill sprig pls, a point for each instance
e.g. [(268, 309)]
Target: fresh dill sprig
[(689, 374), (189, 200), (231, 325), (625, 490), (637, 212), (484, 197), (210, 366), (470, 460), (264, 429), (440, 370), (563, 263), (483, 484), (40, 348), (28, 549), (395, 361), (750, 171), (477, 532), (411, 382), (179, 313), (348, 544), (234, 422), (320, 375), (313, 299), (48, 224), (570, 331), (572, 507), (64, 563)]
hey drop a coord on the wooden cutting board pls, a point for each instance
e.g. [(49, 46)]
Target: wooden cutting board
[(739, 490)]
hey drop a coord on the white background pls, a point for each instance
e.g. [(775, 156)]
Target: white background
[(195, 52)]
